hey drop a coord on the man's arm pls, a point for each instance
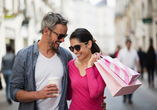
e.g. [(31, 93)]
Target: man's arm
[(46, 92), (18, 91), (25, 96)]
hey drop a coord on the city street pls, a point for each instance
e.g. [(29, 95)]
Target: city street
[(34, 30), (143, 99)]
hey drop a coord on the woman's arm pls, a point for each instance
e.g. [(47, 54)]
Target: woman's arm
[(95, 82)]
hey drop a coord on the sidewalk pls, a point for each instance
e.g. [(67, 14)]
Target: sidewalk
[(144, 98), (4, 105)]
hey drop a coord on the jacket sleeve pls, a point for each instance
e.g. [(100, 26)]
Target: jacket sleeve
[(95, 82), (17, 80)]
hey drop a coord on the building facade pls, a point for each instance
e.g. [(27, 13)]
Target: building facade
[(98, 19), (20, 22), (136, 19)]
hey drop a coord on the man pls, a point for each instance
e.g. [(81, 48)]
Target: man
[(7, 65), (36, 63), (129, 57)]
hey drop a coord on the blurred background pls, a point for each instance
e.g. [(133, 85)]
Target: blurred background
[(111, 22)]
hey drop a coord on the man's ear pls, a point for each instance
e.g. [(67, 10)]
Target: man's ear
[(46, 31), (89, 44)]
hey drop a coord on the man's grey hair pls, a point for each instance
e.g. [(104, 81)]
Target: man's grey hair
[(51, 19)]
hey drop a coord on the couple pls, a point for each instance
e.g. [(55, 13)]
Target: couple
[(79, 79)]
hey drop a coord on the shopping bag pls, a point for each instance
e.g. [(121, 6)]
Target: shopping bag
[(128, 75), (114, 83)]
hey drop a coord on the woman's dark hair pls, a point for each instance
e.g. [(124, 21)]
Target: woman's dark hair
[(83, 35), (151, 49)]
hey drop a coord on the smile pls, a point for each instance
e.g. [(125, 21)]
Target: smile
[(78, 55)]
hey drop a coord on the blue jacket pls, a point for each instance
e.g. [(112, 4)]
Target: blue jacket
[(24, 75), (7, 61)]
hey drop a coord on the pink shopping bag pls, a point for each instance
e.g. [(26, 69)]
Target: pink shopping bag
[(115, 84), (128, 75)]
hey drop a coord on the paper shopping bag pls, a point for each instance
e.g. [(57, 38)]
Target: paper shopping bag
[(115, 84), (128, 75)]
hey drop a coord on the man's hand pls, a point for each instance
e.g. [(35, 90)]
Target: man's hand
[(103, 104), (48, 91)]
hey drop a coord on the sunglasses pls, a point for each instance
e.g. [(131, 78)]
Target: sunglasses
[(76, 47), (60, 36)]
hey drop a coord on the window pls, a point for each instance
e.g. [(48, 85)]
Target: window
[(143, 11), (22, 4)]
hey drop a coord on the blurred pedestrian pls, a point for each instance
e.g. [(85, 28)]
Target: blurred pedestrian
[(129, 57), (156, 63), (117, 51), (150, 65), (142, 56), (7, 65)]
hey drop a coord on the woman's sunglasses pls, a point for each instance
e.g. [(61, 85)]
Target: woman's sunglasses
[(76, 47), (60, 36)]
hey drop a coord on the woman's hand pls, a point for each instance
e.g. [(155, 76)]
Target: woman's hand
[(93, 59)]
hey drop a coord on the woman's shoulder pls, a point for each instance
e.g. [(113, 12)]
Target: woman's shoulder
[(71, 62)]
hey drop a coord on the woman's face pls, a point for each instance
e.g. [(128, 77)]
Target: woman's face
[(80, 49)]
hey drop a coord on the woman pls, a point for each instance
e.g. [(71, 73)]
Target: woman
[(86, 86), (150, 64)]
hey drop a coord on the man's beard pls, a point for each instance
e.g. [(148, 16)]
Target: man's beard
[(52, 45)]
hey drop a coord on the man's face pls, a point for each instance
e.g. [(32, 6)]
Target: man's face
[(52, 40), (128, 45)]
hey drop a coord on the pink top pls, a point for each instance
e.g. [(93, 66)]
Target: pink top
[(86, 91)]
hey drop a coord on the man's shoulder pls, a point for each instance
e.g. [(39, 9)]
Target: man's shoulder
[(25, 50)]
